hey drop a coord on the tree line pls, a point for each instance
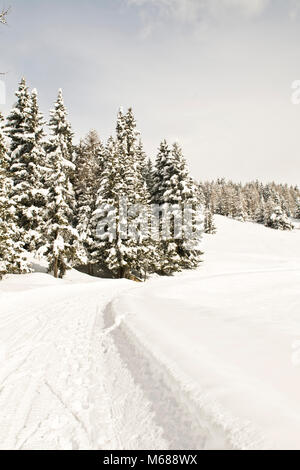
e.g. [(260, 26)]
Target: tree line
[(273, 205)]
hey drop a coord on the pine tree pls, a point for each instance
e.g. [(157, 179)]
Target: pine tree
[(148, 175), (123, 196), (32, 203), (173, 188), (161, 174), (63, 247), (89, 165), (15, 128), (209, 225), (27, 166), (12, 255), (138, 246), (108, 248), (297, 210), (275, 218)]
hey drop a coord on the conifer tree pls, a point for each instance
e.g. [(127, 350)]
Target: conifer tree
[(209, 225), (15, 127), (63, 246), (173, 188), (89, 165), (28, 166), (297, 211), (12, 255), (148, 175), (275, 218), (123, 194), (32, 204), (108, 248)]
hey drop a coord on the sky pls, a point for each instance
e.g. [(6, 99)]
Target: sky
[(215, 75)]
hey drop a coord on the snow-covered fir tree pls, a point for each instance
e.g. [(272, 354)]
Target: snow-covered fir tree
[(209, 225), (12, 256), (297, 210), (123, 194), (27, 160), (15, 127), (108, 248), (275, 217), (148, 175), (63, 247), (89, 165), (173, 188)]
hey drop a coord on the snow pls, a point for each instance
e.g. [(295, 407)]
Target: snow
[(231, 331), (206, 359)]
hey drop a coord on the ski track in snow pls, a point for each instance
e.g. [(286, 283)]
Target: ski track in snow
[(63, 384)]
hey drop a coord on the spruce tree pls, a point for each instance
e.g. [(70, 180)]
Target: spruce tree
[(32, 203), (174, 189), (297, 211), (27, 160), (63, 246), (12, 255), (209, 225), (123, 194), (108, 247), (275, 217), (89, 165), (15, 128)]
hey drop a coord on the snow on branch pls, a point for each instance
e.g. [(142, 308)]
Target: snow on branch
[(3, 15)]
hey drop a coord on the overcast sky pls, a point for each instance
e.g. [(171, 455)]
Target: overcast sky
[(215, 75)]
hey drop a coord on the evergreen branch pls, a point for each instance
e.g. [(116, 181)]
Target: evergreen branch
[(3, 15)]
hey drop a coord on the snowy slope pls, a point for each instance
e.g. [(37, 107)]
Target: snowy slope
[(205, 359), (231, 332)]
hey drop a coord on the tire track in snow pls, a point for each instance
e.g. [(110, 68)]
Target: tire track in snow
[(64, 384), (180, 428), (189, 419)]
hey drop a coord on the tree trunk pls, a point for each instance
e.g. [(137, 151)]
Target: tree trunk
[(55, 268), (123, 272)]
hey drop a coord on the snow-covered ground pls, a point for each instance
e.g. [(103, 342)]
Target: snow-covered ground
[(204, 359)]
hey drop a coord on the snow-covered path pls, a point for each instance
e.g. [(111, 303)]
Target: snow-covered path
[(62, 382)]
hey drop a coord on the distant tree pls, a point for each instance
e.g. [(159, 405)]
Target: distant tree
[(253, 201), (275, 217), (209, 225), (3, 15), (297, 211)]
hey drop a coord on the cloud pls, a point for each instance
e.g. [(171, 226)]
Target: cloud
[(193, 10), (155, 13), (294, 9)]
